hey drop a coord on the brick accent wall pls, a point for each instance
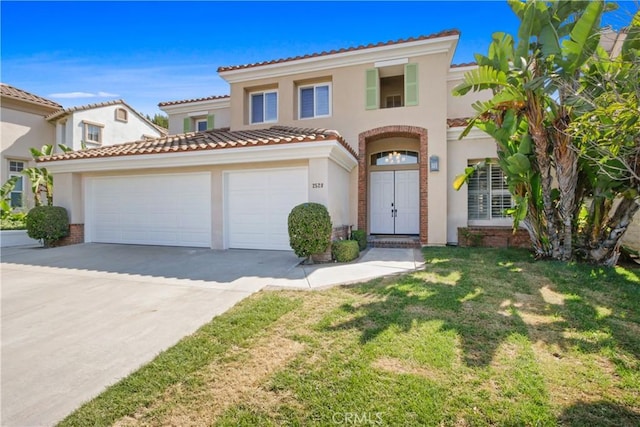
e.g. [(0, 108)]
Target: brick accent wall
[(363, 172), (76, 235), (493, 237)]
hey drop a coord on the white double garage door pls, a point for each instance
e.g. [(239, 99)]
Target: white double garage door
[(177, 209)]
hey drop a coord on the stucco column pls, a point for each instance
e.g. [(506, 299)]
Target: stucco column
[(68, 193)]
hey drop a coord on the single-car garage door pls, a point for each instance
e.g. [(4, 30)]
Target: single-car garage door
[(168, 209), (258, 205)]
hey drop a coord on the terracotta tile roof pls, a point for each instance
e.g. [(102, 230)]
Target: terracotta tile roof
[(22, 95), (70, 110), (464, 64), (458, 122), (216, 139), (343, 50), (188, 101)]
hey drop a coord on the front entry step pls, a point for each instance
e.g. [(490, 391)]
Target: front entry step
[(391, 241)]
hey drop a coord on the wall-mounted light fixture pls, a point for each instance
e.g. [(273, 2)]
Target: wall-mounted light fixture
[(434, 163)]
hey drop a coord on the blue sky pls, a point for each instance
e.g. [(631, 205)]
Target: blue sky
[(78, 53)]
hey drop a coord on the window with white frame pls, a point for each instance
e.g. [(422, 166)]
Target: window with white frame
[(93, 133), (17, 194), (488, 194), (201, 125), (264, 107), (315, 101)]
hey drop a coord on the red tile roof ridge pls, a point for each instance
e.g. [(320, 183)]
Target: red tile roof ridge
[(444, 33), (21, 94), (207, 140), (188, 101), (458, 122), (464, 64)]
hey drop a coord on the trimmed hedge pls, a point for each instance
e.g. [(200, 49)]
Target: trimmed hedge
[(309, 229), (361, 237), (345, 250), (47, 223)]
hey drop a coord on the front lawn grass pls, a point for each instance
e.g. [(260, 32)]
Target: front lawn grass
[(479, 337)]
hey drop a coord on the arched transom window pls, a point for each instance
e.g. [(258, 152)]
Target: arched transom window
[(396, 157)]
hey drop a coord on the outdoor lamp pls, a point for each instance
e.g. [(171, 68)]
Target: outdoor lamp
[(434, 163)]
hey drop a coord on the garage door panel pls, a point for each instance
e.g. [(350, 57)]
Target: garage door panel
[(173, 209), (258, 206)]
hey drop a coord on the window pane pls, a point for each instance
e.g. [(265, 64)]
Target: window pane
[(257, 108), (306, 103), (202, 125), (322, 100), (18, 186), (271, 107), (391, 158), (16, 200), (15, 166)]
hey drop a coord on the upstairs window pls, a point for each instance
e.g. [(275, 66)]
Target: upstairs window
[(93, 133), (122, 115), (488, 194), (391, 84), (315, 101), (264, 107), (17, 194), (198, 122)]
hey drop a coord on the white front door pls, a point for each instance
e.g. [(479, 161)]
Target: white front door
[(395, 207)]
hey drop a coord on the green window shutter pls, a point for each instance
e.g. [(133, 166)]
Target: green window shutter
[(211, 121), (372, 89), (411, 84), (186, 125)]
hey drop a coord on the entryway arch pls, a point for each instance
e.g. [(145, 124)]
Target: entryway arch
[(394, 140)]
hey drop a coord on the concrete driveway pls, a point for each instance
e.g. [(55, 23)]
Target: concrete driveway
[(78, 318)]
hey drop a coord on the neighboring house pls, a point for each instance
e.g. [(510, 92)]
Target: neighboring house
[(371, 132), (105, 123), (213, 112), (23, 126)]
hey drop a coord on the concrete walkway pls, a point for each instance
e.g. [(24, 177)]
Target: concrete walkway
[(77, 319)]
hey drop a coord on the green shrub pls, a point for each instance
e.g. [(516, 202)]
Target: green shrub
[(345, 250), (47, 223), (361, 237), (13, 221), (309, 229)]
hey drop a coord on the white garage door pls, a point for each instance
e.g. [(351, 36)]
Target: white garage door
[(258, 206), (168, 210)]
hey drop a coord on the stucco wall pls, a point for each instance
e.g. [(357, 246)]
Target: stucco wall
[(21, 130), (177, 115), (476, 146), (113, 132)]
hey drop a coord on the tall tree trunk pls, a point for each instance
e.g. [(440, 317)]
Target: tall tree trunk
[(607, 250), (566, 161), (535, 117)]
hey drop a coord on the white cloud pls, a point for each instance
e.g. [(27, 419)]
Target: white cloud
[(72, 95)]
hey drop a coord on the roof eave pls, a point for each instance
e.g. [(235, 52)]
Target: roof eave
[(445, 44), (331, 148)]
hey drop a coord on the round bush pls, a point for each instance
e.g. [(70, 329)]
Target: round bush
[(47, 223), (309, 229), (361, 237), (345, 250)]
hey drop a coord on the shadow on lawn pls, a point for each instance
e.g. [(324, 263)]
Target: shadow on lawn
[(598, 414), (484, 296)]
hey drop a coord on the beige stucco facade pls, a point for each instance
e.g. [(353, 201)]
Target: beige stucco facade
[(23, 127)]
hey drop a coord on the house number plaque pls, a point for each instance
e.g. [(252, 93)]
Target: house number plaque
[(317, 185)]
